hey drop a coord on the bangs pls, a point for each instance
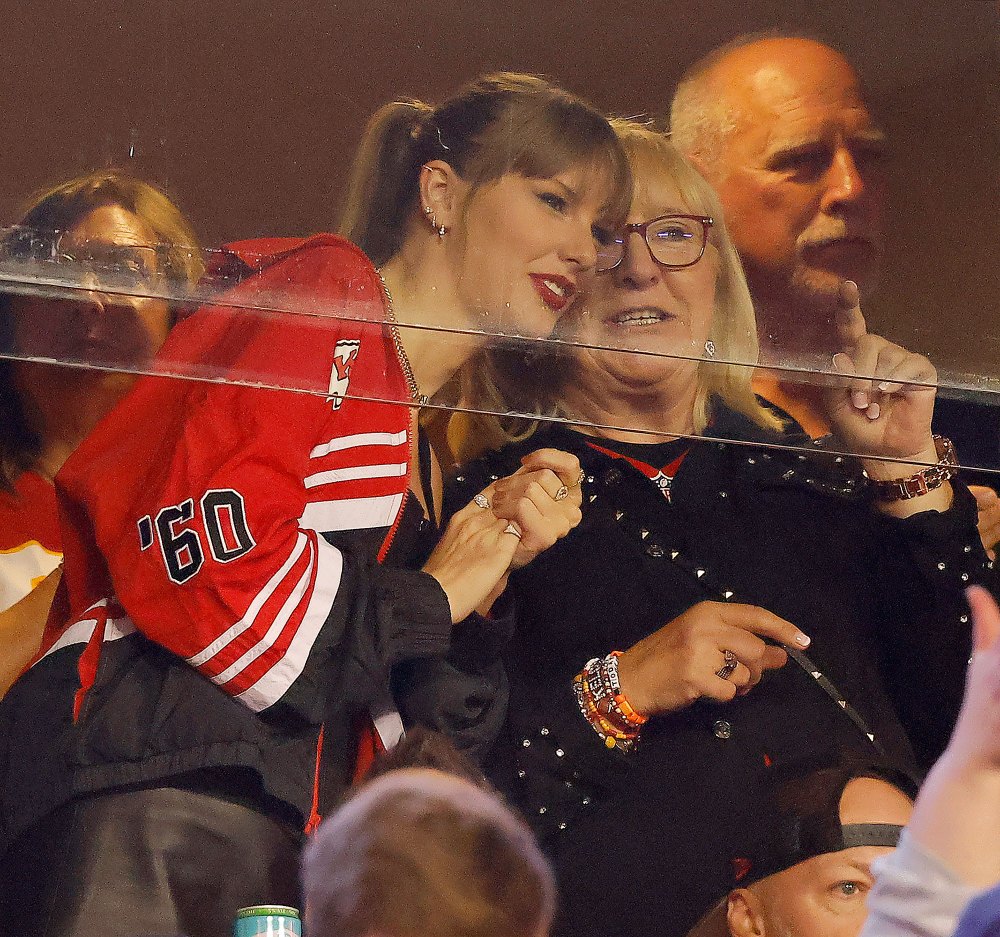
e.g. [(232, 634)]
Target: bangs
[(653, 157), (542, 142)]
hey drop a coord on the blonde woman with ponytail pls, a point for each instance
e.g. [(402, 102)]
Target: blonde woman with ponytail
[(243, 574)]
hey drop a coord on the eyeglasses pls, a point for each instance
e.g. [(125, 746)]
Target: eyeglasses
[(674, 241)]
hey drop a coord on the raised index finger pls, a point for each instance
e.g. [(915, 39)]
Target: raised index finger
[(850, 321)]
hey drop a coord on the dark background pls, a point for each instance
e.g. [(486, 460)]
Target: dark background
[(248, 111)]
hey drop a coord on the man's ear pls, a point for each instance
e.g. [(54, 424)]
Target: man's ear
[(745, 914), (442, 191)]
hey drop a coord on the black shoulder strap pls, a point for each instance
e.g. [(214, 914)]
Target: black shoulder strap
[(426, 477)]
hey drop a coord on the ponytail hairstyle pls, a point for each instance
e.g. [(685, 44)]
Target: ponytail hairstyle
[(498, 124)]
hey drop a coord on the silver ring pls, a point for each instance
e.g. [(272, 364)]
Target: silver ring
[(512, 529), (732, 662), (563, 492), (580, 479), (482, 500)]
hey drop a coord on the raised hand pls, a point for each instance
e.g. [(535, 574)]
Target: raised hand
[(957, 814), (883, 403), (686, 661), (505, 527)]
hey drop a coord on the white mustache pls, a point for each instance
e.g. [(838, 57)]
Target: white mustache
[(814, 239)]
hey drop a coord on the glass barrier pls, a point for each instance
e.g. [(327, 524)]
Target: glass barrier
[(251, 153), (88, 307)]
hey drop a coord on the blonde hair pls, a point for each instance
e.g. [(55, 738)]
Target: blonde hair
[(521, 379), (500, 123), (420, 852), (734, 324)]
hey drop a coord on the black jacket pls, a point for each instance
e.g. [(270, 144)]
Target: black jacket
[(881, 599)]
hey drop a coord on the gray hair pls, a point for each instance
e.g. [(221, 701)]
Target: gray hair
[(701, 117)]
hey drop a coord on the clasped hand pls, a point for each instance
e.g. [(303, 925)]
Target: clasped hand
[(508, 524)]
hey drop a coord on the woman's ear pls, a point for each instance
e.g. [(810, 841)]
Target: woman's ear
[(442, 193), (745, 914)]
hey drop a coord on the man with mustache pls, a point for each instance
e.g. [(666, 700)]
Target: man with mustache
[(780, 128), (778, 124)]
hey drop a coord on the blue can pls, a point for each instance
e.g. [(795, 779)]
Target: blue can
[(267, 920)]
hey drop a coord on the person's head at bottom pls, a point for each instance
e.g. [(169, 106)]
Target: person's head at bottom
[(812, 871), (420, 852)]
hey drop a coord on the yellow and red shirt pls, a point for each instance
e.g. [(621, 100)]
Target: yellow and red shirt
[(30, 545)]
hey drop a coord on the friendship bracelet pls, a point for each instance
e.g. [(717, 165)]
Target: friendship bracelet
[(599, 696)]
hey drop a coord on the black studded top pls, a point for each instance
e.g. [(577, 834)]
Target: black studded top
[(793, 532)]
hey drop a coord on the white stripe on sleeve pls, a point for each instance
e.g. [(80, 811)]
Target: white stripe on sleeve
[(351, 513), (255, 606), (355, 472), (273, 685), (278, 623), (358, 440)]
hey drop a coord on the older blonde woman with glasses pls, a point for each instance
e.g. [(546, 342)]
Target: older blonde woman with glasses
[(725, 606)]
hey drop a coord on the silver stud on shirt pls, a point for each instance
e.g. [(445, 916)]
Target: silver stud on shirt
[(722, 729)]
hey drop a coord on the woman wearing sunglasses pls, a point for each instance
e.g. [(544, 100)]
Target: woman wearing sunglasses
[(723, 606)]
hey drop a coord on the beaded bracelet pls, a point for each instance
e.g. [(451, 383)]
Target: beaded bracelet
[(611, 736), (622, 704), (601, 701)]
